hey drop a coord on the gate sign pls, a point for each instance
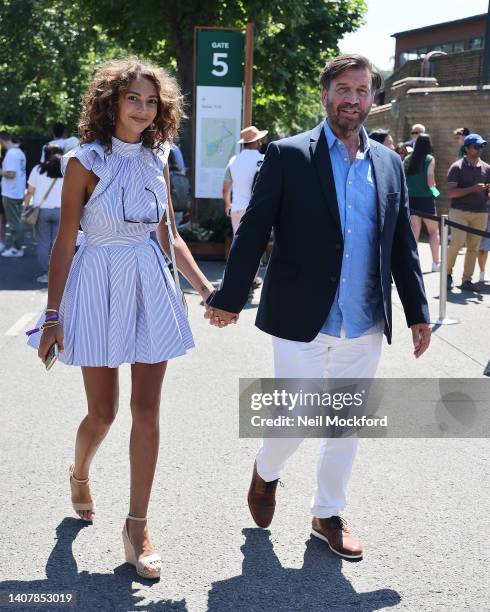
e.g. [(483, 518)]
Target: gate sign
[(218, 106)]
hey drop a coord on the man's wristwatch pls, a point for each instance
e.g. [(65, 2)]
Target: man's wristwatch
[(210, 296)]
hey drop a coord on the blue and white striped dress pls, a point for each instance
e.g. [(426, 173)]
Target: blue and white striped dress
[(120, 304)]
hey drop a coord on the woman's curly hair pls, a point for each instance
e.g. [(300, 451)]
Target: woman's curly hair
[(110, 80)]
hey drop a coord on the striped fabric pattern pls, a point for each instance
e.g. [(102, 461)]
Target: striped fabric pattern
[(120, 304)]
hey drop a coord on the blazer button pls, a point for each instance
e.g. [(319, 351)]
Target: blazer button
[(338, 247), (333, 279)]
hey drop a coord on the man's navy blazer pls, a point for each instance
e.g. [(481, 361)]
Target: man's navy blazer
[(295, 195)]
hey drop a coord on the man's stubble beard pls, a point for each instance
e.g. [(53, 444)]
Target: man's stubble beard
[(345, 126)]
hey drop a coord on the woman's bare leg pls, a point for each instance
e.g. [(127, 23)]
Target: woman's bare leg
[(146, 390), (433, 230), (102, 390), (416, 226), (482, 260)]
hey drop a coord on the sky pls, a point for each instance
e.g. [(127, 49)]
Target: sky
[(385, 17)]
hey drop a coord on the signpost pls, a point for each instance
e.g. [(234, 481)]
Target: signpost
[(218, 102)]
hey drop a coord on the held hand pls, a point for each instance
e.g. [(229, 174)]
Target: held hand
[(220, 318), (49, 337), (421, 338), (480, 187), (205, 291)]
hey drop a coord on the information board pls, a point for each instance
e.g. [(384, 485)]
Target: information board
[(218, 107)]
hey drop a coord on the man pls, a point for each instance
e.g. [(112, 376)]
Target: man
[(240, 173), (415, 132), (468, 184), (58, 138), (13, 175), (179, 158), (339, 208)]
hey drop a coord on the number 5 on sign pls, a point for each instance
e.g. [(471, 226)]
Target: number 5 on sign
[(223, 66)]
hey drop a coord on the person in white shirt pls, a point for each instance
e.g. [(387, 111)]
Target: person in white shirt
[(44, 187), (13, 175), (239, 178), (58, 139)]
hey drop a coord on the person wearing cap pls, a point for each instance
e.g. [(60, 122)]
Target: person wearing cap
[(338, 204), (239, 177), (468, 182)]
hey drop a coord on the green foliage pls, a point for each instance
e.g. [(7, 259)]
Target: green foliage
[(215, 228), (48, 49), (220, 226), (47, 52)]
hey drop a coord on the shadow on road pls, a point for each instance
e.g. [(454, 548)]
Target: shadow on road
[(92, 591), (267, 586)]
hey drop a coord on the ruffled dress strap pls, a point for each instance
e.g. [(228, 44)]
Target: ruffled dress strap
[(93, 157), (161, 154)]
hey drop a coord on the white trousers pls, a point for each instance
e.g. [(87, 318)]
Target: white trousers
[(236, 217), (324, 357)]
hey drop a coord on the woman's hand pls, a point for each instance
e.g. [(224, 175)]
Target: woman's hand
[(49, 337), (205, 291)]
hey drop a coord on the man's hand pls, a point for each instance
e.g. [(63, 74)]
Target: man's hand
[(421, 338), (480, 187), (220, 318)]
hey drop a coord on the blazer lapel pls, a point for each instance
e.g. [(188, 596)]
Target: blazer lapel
[(320, 157), (380, 187)]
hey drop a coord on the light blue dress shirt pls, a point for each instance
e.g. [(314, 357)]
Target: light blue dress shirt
[(357, 308)]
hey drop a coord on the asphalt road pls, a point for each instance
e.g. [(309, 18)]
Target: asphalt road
[(419, 506)]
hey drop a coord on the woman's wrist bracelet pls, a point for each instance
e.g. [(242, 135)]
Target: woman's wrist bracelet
[(44, 325)]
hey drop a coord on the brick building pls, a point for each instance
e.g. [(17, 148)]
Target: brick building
[(441, 110), (450, 37), (444, 95)]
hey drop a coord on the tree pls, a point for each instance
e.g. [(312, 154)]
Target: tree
[(47, 52), (50, 47), (293, 39)]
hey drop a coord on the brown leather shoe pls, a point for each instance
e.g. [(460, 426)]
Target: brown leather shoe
[(334, 532), (262, 499)]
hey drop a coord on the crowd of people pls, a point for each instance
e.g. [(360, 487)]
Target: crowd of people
[(468, 182), (43, 191)]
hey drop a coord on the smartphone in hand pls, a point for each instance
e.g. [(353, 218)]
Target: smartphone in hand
[(51, 357)]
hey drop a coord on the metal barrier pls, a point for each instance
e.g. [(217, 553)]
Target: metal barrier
[(444, 223)]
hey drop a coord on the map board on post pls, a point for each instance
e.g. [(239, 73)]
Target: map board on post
[(217, 106)]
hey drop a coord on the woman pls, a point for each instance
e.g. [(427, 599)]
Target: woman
[(460, 134), (115, 302), (384, 137), (44, 188), (403, 150), (419, 169)]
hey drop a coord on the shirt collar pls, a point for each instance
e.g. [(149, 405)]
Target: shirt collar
[(465, 161), (332, 139)]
